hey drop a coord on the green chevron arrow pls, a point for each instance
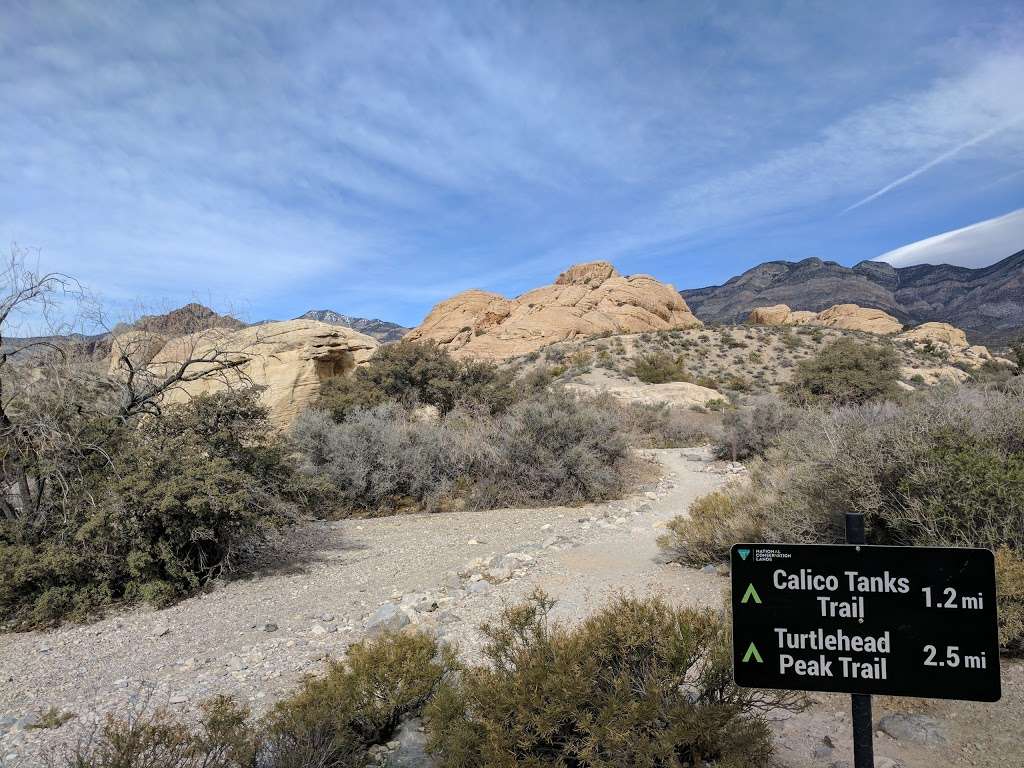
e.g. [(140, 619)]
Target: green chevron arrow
[(751, 593), (752, 651)]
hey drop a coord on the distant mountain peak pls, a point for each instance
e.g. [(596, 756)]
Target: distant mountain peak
[(382, 330), (987, 302)]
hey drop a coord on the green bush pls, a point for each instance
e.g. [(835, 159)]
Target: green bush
[(846, 372), (332, 720), (178, 500), (638, 683), (659, 368), (418, 373), (715, 522)]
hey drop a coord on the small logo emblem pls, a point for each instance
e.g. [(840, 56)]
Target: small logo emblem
[(743, 553)]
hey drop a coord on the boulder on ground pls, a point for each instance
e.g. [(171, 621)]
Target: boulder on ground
[(937, 333), (585, 300), (849, 317)]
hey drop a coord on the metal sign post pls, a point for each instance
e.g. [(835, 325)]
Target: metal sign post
[(860, 703), (865, 620)]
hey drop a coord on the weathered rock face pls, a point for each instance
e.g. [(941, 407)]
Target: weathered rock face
[(289, 359), (937, 333), (848, 317), (585, 300)]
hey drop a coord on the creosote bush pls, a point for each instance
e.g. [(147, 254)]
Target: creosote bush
[(638, 683), (156, 510), (418, 373), (332, 720), (659, 368), (846, 372)]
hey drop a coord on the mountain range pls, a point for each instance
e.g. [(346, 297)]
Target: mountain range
[(381, 330), (988, 303)]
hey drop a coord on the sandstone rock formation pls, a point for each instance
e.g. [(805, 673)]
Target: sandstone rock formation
[(949, 343), (585, 300), (937, 333), (288, 359), (847, 317)]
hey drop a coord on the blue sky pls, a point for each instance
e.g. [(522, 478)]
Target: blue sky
[(374, 158)]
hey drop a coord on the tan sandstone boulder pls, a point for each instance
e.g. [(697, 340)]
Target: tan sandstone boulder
[(776, 314), (937, 333), (585, 300), (852, 317), (848, 317), (289, 359)]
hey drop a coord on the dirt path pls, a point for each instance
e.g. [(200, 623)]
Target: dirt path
[(255, 638)]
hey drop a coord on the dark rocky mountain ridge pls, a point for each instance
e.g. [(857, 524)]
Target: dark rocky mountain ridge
[(381, 330), (988, 303)]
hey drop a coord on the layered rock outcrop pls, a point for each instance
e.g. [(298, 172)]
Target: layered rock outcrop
[(585, 300), (847, 317), (288, 360)]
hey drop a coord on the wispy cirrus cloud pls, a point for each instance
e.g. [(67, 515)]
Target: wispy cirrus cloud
[(369, 156)]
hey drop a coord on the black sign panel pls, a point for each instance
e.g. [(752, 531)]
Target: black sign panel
[(903, 621)]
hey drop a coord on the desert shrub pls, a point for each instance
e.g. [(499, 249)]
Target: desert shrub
[(224, 739), (661, 426), (553, 447), (417, 373), (749, 432), (659, 368), (846, 372), (176, 501), (715, 522), (334, 719), (945, 468), (638, 683), (1010, 598)]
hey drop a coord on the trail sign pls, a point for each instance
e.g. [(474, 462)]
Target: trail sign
[(903, 621)]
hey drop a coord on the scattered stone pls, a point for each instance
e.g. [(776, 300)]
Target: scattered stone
[(917, 729), (388, 616), (547, 527), (479, 587), (452, 580), (709, 569), (268, 626), (475, 542), (160, 630), (411, 746), (822, 752), (498, 575)]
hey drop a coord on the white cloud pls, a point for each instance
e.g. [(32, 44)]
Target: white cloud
[(977, 245)]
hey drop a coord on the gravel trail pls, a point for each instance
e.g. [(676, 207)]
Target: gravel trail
[(254, 638), (446, 573)]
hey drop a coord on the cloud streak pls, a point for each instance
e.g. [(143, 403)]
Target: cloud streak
[(949, 155)]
